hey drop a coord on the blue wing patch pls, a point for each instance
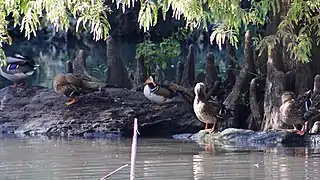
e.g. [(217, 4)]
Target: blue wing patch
[(12, 66)]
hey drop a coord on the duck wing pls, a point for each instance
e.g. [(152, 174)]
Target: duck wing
[(164, 91), (16, 69), (220, 110), (91, 86), (67, 84)]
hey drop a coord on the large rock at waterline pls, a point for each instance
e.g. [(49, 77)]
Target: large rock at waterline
[(38, 110), (248, 138)]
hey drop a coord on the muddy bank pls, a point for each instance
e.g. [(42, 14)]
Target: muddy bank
[(40, 111)]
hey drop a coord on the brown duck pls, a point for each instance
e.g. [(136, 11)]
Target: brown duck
[(73, 84), (291, 112), (206, 111)]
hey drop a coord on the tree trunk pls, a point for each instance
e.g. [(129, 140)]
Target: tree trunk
[(255, 118), (211, 75), (188, 75), (117, 73), (80, 67), (274, 88), (179, 71), (141, 73), (242, 81), (159, 74)]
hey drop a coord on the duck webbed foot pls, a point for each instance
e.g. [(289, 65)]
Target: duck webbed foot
[(21, 84), (73, 100), (303, 129)]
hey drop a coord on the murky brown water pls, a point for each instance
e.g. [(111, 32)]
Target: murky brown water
[(157, 159)]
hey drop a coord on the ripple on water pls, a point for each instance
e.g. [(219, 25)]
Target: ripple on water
[(157, 159)]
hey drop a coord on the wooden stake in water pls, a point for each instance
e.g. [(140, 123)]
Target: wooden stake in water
[(134, 148)]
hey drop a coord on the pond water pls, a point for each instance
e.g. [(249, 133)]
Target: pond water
[(157, 159)]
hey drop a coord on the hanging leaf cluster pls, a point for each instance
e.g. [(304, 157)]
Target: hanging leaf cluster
[(161, 52), (297, 30)]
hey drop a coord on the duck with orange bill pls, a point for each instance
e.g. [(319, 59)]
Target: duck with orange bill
[(161, 94)]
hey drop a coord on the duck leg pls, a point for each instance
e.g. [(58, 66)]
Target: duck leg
[(14, 85), (213, 127), (73, 100), (206, 126), (304, 128), (18, 84)]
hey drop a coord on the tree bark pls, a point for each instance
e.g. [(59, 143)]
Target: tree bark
[(159, 74), (188, 75), (80, 67), (117, 73), (255, 118), (179, 71), (244, 77), (141, 73), (274, 88), (211, 75)]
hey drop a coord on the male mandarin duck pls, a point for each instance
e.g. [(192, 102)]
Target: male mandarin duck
[(292, 112), (17, 68), (208, 112), (72, 84), (161, 94)]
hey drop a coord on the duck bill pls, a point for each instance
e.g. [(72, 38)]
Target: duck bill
[(149, 80)]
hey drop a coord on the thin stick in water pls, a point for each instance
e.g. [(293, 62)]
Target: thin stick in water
[(108, 175), (134, 148)]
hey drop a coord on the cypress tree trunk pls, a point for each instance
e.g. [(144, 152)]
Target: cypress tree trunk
[(117, 73)]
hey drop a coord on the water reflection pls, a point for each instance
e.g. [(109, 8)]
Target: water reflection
[(32, 159)]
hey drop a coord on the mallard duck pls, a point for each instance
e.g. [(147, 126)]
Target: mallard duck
[(17, 68), (206, 111), (292, 113), (161, 94), (72, 84)]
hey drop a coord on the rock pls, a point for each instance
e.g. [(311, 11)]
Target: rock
[(38, 110), (250, 139)]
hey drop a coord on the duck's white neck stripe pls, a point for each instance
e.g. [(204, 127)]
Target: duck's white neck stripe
[(154, 89)]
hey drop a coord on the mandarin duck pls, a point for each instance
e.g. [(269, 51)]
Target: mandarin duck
[(161, 94)]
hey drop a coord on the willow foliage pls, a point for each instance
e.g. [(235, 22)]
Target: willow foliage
[(27, 14), (228, 15)]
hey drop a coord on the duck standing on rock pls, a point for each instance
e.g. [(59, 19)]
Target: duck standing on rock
[(291, 112), (206, 111), (72, 84), (161, 94), (17, 68)]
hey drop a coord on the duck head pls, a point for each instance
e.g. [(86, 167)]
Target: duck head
[(287, 96), (150, 81), (200, 89)]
